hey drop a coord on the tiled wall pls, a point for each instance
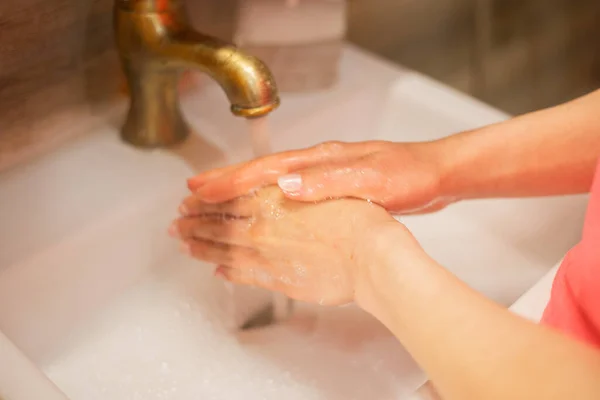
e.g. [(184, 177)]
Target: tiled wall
[(56, 57), (519, 55)]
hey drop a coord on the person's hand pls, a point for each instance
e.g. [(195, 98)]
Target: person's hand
[(401, 177), (314, 252)]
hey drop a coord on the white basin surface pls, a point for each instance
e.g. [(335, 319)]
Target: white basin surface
[(97, 296), (532, 304)]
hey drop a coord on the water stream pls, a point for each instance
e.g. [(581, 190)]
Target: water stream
[(261, 144)]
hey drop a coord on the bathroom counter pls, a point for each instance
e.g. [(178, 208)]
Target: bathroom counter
[(85, 224)]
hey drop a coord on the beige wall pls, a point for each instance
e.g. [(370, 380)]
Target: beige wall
[(539, 52)]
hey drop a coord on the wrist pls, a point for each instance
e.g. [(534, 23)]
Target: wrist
[(375, 255), (452, 157)]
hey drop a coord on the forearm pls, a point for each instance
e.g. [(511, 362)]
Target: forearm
[(470, 347), (548, 152)]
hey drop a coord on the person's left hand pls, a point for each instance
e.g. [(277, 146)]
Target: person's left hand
[(404, 178), (313, 252)]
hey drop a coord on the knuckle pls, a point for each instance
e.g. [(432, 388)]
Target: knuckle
[(253, 165), (331, 147), (371, 177)]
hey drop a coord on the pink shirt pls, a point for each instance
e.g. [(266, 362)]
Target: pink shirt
[(574, 305)]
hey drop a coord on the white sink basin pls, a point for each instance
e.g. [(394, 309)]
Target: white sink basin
[(96, 295)]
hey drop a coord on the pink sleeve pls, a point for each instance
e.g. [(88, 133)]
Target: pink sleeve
[(574, 305)]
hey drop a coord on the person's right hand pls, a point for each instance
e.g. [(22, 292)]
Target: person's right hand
[(314, 252), (402, 177)]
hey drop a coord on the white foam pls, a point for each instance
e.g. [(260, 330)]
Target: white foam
[(163, 340), (167, 339)]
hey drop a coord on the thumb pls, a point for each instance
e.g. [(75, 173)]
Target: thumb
[(327, 181)]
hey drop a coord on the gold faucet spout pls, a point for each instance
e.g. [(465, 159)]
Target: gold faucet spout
[(247, 82), (156, 44)]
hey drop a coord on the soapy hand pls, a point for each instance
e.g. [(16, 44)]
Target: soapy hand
[(313, 252), (401, 177)]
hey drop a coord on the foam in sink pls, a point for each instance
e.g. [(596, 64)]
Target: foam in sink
[(167, 339)]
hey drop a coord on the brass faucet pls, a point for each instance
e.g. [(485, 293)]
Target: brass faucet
[(156, 44)]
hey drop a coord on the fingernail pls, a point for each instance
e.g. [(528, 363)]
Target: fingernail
[(173, 230), (183, 210), (185, 248), (290, 183)]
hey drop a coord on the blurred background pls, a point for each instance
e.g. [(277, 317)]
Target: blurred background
[(518, 55)]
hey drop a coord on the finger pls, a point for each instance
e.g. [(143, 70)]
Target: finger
[(260, 169), (220, 230), (195, 182), (230, 183), (288, 159), (221, 253), (335, 181), (241, 207)]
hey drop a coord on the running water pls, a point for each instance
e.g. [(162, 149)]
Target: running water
[(247, 306), (261, 145), (260, 136)]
